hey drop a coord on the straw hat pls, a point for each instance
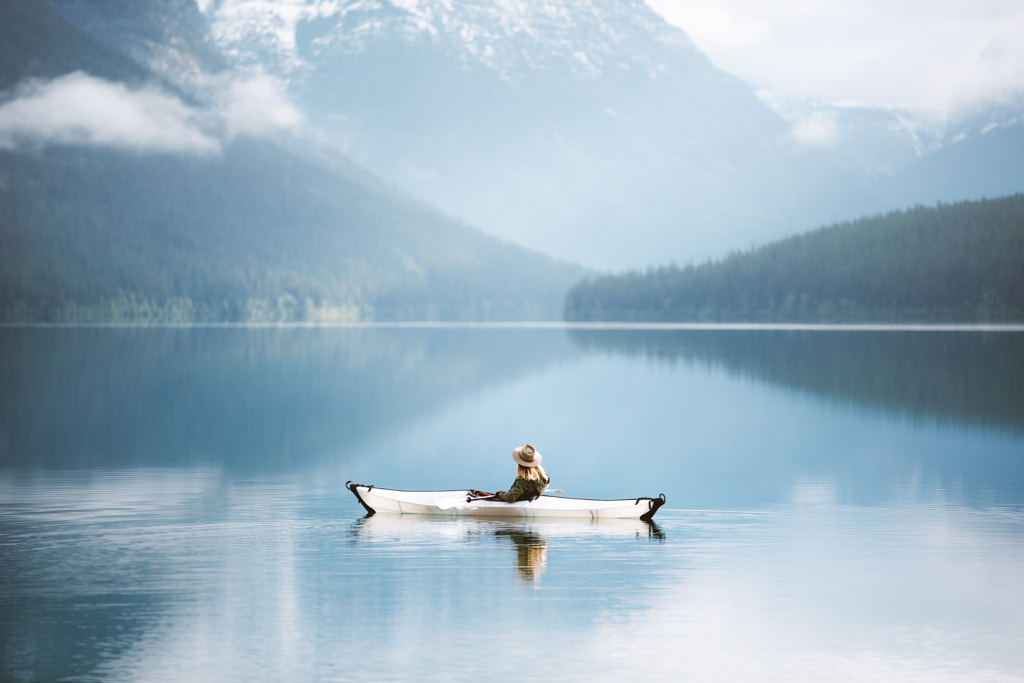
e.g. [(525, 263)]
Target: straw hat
[(527, 456)]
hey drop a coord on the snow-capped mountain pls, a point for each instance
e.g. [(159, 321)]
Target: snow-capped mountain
[(589, 129), (510, 37)]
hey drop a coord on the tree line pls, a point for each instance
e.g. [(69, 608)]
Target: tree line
[(258, 234), (960, 262)]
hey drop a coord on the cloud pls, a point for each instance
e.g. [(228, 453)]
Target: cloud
[(79, 109), (256, 105), (997, 74), (817, 128), (718, 26), (889, 53)]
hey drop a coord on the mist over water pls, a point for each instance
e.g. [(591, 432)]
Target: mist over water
[(841, 504)]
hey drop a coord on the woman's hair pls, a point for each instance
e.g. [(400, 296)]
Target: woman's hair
[(535, 473)]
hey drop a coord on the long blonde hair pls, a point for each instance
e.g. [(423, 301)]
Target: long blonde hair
[(535, 473)]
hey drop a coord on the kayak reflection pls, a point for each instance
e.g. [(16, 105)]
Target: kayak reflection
[(531, 552), (415, 527), (532, 539)]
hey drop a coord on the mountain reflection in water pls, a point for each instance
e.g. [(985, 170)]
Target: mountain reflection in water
[(713, 418), (250, 398), (963, 377), (841, 505), (270, 398)]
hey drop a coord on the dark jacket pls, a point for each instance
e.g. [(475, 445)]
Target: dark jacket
[(523, 489)]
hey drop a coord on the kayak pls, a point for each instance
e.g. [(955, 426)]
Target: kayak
[(462, 502)]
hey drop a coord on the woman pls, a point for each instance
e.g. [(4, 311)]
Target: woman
[(531, 479)]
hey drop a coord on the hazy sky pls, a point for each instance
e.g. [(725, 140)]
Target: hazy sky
[(920, 54)]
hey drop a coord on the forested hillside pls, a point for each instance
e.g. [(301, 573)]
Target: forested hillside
[(254, 229), (959, 263), (36, 42), (255, 235)]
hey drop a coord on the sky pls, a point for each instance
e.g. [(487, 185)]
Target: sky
[(925, 55)]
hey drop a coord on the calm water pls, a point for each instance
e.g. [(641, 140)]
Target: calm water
[(842, 505)]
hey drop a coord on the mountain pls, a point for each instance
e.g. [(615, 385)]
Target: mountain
[(589, 129), (36, 42), (133, 194), (255, 234), (280, 159), (982, 155), (169, 38)]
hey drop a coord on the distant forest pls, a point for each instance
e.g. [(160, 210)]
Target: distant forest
[(959, 262), (256, 235)]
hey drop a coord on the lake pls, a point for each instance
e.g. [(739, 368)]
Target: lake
[(843, 504)]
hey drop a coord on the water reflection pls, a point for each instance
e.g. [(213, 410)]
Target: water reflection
[(918, 590), (417, 529), (713, 418), (963, 377), (844, 505), (531, 539), (192, 574), (248, 398), (531, 552)]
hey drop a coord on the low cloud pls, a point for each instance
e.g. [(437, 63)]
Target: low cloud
[(256, 105), (883, 53), (816, 128), (997, 74), (79, 109)]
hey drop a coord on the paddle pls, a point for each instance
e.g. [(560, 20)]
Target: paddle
[(473, 494)]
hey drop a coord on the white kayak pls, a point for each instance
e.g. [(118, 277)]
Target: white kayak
[(462, 502)]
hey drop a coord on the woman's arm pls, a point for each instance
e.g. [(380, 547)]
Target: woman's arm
[(519, 487)]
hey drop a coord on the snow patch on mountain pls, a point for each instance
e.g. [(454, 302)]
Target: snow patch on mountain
[(249, 30), (506, 36)]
